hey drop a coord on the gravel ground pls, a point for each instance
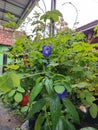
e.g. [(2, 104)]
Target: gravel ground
[(8, 121)]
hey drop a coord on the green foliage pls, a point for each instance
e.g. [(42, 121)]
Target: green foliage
[(54, 111), (51, 15), (96, 30), (12, 67), (35, 91), (10, 16), (39, 122), (18, 97), (88, 128), (11, 93), (68, 125), (73, 66), (9, 81), (60, 125), (72, 110), (93, 110), (11, 21), (36, 107), (59, 89), (24, 109), (49, 85), (11, 25)]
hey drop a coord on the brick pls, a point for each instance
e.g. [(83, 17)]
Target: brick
[(7, 36)]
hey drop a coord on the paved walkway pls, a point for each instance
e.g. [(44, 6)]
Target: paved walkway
[(7, 120)]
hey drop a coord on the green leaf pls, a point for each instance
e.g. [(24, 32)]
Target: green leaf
[(89, 74), (82, 95), (68, 86), (37, 22), (80, 85), (35, 91), (39, 122), (8, 81), (38, 80), (36, 107), (15, 79), (88, 128), (53, 64), (67, 78), (57, 12), (55, 110), (90, 98), (67, 124), (13, 67), (49, 85), (93, 110), (18, 97), (59, 89), (77, 68), (72, 110), (10, 16), (60, 125), (20, 89), (24, 109), (11, 93), (54, 15), (11, 25), (96, 28), (70, 125)]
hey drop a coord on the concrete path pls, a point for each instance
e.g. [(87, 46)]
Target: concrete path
[(8, 121)]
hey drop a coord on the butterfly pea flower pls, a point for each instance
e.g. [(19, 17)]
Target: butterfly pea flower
[(63, 94), (46, 51), (61, 91)]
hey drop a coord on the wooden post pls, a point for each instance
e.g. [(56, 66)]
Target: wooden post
[(4, 62)]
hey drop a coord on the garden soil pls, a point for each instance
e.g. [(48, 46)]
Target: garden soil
[(8, 121)]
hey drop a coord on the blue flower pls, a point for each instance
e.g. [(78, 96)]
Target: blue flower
[(63, 94), (46, 51)]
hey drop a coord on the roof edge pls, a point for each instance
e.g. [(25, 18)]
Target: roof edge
[(31, 4), (88, 26)]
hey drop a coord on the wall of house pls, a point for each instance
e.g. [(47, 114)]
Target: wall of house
[(1, 59), (7, 38), (2, 49)]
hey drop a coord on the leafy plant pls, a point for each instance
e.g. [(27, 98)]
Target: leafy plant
[(88, 128), (57, 73)]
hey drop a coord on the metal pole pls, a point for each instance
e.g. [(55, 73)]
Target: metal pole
[(53, 4), (53, 7)]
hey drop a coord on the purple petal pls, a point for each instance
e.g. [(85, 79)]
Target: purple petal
[(46, 51), (62, 95)]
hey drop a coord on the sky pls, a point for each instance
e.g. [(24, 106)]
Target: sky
[(85, 9)]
